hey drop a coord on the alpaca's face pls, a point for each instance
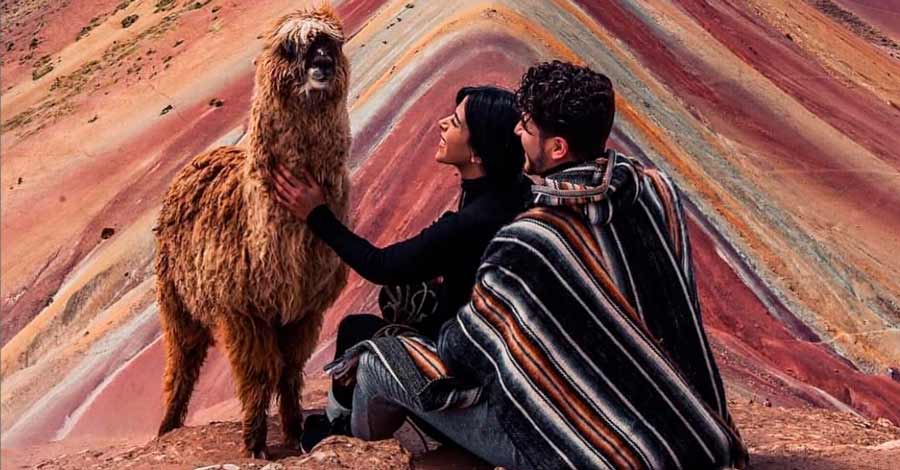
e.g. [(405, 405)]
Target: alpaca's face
[(303, 57)]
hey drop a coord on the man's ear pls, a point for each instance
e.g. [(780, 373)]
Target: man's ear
[(559, 148)]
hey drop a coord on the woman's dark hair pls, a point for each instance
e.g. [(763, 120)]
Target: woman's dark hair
[(492, 115), (571, 102)]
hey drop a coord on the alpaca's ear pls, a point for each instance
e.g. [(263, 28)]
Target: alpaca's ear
[(326, 7)]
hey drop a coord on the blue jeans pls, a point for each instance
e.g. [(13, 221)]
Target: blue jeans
[(381, 405)]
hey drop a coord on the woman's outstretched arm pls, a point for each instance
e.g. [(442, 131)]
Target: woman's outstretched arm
[(420, 258)]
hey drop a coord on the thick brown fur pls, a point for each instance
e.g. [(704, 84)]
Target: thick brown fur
[(229, 258)]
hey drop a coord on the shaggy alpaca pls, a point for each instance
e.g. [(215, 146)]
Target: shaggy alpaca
[(231, 260)]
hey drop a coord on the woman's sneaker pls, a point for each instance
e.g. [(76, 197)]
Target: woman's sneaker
[(318, 427)]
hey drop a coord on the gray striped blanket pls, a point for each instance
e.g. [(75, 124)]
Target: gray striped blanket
[(583, 332)]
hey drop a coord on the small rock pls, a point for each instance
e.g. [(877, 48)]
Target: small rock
[(107, 232), (215, 102), (164, 5), (273, 466), (19, 180), (198, 5), (166, 109), (323, 455), (129, 20), (767, 403), (93, 119), (41, 71)]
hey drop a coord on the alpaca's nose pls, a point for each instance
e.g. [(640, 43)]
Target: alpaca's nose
[(322, 60), (321, 55)]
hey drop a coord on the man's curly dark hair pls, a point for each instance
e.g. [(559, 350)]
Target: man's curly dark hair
[(569, 101)]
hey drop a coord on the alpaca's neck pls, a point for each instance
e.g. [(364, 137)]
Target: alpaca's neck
[(298, 137), (291, 136)]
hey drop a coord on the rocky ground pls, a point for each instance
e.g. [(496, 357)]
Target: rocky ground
[(778, 439)]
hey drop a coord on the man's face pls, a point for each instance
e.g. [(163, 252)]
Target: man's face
[(536, 160)]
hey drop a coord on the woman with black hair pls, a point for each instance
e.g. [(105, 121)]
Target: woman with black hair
[(477, 139)]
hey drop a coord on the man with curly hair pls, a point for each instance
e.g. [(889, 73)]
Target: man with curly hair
[(582, 345)]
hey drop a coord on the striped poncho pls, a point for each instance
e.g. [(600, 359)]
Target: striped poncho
[(584, 332)]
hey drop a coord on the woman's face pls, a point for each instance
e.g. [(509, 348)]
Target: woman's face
[(453, 148)]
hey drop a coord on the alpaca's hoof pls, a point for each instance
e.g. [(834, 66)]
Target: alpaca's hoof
[(166, 428), (259, 454)]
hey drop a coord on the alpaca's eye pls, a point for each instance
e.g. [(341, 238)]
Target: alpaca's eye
[(289, 50)]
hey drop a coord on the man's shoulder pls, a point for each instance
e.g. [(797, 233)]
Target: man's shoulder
[(552, 215), (542, 222), (536, 236)]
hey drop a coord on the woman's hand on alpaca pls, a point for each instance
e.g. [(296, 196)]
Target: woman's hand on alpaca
[(298, 195)]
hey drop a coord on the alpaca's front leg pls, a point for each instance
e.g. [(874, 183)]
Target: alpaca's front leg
[(296, 341), (256, 365)]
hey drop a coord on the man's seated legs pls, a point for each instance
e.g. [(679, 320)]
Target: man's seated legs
[(379, 401), (381, 404)]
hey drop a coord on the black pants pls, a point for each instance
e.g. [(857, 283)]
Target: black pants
[(352, 330), (413, 305)]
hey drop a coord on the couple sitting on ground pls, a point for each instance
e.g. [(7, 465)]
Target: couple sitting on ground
[(565, 331)]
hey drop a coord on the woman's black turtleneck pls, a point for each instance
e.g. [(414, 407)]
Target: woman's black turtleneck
[(450, 248)]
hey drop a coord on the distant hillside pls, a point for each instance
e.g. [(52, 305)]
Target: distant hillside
[(777, 119)]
